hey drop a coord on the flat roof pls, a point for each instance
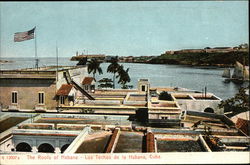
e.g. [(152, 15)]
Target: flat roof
[(48, 72), (27, 74)]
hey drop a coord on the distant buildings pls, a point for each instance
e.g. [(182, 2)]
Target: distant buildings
[(83, 58), (208, 50), (135, 59)]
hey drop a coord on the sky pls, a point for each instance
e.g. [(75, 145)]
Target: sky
[(123, 28)]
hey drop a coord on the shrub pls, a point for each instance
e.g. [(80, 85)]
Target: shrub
[(165, 96)]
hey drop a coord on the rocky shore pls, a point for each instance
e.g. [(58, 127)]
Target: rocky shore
[(5, 61), (216, 57)]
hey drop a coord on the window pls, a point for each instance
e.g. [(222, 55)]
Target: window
[(209, 110), (14, 97), (71, 98), (86, 87), (62, 99), (143, 88), (92, 88), (41, 97)]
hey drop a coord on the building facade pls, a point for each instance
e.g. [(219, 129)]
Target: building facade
[(37, 90)]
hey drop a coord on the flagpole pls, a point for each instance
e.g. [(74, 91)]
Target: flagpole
[(57, 72), (36, 65), (56, 61)]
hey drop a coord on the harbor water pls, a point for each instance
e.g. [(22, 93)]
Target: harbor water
[(159, 75)]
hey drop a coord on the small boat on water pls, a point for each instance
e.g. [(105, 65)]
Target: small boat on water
[(239, 76), (227, 75)]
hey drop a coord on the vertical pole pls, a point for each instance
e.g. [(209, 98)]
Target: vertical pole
[(56, 62), (243, 68), (205, 92), (57, 71), (36, 65)]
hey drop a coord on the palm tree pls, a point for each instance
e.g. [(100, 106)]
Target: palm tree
[(113, 67), (123, 75), (125, 78), (94, 66), (120, 71)]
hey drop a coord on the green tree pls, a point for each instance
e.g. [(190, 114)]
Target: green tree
[(237, 104), (123, 76), (127, 86), (105, 83), (113, 68), (94, 66), (165, 96)]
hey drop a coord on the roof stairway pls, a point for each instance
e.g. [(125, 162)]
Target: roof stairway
[(70, 81)]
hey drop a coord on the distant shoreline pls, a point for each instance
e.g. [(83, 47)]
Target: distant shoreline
[(220, 57), (190, 65), (5, 61)]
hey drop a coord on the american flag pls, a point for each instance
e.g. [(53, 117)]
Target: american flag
[(23, 36)]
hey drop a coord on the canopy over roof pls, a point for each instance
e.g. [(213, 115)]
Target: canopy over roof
[(88, 80), (64, 90)]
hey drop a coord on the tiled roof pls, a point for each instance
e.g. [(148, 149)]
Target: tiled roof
[(243, 125), (64, 90), (87, 80)]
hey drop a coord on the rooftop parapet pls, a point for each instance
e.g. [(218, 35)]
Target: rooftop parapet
[(48, 72), (195, 96), (44, 132), (27, 74)]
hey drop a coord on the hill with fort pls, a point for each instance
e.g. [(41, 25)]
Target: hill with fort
[(218, 56)]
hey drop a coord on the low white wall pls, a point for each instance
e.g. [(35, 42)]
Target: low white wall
[(176, 136), (77, 141), (6, 145), (103, 102), (91, 116), (200, 105), (134, 102), (160, 115)]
